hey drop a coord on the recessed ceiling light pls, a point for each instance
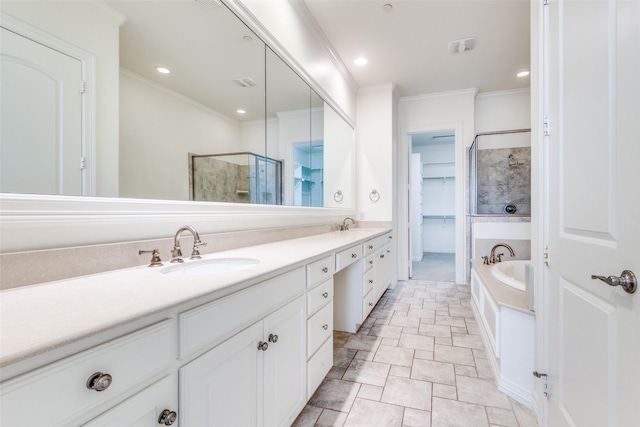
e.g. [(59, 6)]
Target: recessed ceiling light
[(387, 7), (163, 70), (247, 38), (523, 74), (361, 61), (240, 111)]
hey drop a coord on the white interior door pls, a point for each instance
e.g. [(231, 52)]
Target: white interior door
[(593, 212), (41, 121)]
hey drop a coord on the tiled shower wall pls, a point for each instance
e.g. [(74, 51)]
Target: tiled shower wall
[(500, 184), (215, 180)]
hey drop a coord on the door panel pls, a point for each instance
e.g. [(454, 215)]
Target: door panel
[(39, 85), (593, 212)]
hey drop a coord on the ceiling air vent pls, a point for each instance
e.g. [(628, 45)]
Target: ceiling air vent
[(461, 45), (209, 4), (245, 82)]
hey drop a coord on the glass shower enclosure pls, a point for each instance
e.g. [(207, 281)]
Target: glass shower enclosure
[(243, 177)]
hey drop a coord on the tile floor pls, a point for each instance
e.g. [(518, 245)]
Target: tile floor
[(418, 360)]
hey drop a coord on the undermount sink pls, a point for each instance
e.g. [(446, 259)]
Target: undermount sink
[(208, 267), (511, 273)]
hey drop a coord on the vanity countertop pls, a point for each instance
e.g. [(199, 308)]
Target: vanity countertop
[(42, 317), (503, 294)]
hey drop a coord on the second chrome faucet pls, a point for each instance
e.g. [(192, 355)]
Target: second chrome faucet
[(176, 253)]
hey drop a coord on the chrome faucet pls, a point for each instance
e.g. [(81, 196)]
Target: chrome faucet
[(345, 226), (176, 253), (493, 258)]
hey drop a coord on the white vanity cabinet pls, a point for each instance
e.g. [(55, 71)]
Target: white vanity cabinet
[(59, 394), (258, 376), (156, 405), (360, 284)]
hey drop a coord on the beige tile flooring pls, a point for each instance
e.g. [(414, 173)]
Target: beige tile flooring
[(418, 360)]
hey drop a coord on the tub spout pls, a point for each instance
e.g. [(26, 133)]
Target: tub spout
[(493, 258)]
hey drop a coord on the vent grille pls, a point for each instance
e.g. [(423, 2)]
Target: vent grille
[(245, 82)]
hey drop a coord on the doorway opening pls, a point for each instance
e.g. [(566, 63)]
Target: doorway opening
[(433, 206)]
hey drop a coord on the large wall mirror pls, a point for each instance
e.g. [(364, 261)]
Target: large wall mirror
[(179, 100)]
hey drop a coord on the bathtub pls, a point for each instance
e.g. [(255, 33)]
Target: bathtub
[(511, 273)]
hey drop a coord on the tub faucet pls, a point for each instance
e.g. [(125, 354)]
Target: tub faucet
[(176, 253), (493, 258), (345, 226)]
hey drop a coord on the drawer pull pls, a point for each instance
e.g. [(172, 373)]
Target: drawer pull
[(99, 381), (370, 280), (273, 338), (263, 346), (167, 417), (325, 270), (325, 326), (370, 304), (326, 294), (371, 261), (354, 255), (370, 246)]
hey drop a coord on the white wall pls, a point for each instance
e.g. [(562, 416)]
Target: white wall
[(340, 163), (503, 110), (93, 28), (374, 147), (158, 128)]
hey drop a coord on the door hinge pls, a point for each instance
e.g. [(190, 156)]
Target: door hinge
[(545, 256), (83, 162), (545, 382), (545, 2), (545, 125), (83, 86)]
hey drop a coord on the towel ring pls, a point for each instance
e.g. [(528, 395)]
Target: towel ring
[(374, 196), (338, 196)]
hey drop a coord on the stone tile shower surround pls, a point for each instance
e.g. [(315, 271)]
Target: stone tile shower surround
[(500, 184), (216, 180)]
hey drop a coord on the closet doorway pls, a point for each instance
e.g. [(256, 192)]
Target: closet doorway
[(432, 206)]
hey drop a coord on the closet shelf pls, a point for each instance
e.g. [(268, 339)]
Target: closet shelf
[(437, 163), (439, 216), (439, 177)]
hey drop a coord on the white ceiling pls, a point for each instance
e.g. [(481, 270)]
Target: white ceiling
[(408, 45)]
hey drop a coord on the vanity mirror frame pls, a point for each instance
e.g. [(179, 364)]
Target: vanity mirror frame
[(32, 222)]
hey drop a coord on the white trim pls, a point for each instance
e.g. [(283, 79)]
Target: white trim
[(29, 222), (501, 93), (88, 66), (404, 147), (472, 91), (376, 88)]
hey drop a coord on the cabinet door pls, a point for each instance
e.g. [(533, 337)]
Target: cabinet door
[(223, 387), (285, 364), (142, 409)]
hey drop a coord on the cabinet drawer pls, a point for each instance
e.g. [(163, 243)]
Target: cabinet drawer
[(368, 303), (348, 257), (368, 262), (320, 271), (319, 296), (367, 281), (376, 243), (58, 393), (319, 328), (318, 367), (211, 323), (369, 247)]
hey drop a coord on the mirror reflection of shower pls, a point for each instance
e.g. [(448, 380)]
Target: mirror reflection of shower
[(235, 178)]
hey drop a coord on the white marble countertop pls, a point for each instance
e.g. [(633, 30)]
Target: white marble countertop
[(502, 294), (39, 318)]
